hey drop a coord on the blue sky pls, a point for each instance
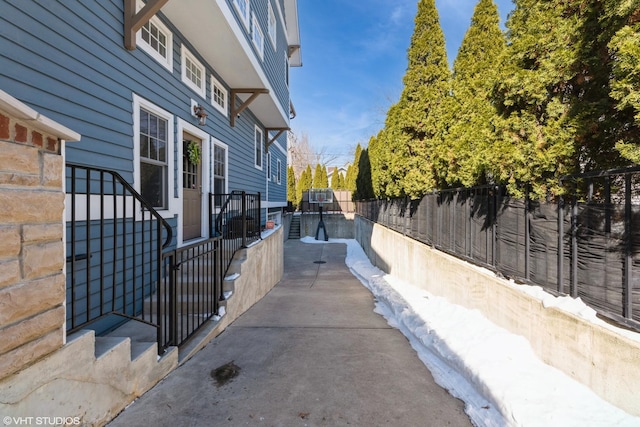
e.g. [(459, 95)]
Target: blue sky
[(354, 55)]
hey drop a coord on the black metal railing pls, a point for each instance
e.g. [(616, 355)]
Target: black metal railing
[(585, 244), (236, 219), (191, 289), (121, 265), (114, 246)]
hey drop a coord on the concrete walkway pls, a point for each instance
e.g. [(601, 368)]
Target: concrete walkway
[(311, 353)]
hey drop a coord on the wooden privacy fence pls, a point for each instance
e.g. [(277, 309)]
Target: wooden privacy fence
[(585, 244)]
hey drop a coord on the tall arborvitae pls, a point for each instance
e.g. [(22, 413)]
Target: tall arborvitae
[(364, 189), (536, 130), (292, 195), (464, 156), (320, 178), (624, 47), (341, 182), (426, 85), (305, 183), (352, 170)]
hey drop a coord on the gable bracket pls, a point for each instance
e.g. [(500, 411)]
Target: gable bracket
[(134, 21), (236, 111), (272, 140)]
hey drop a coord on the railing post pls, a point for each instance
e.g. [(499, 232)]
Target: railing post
[(259, 220), (244, 219)]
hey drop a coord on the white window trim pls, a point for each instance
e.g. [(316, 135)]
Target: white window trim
[(255, 142), (244, 16), (279, 172), (269, 166), (223, 109), (272, 29), (255, 26), (139, 102), (184, 54), (220, 144), (165, 62)]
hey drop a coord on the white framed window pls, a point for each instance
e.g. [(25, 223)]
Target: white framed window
[(258, 143), (219, 96), (279, 171), (153, 153), (193, 72), (156, 40), (268, 166), (243, 10), (286, 68), (220, 173), (272, 28), (257, 36)]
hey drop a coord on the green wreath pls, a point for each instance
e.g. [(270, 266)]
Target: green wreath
[(193, 152)]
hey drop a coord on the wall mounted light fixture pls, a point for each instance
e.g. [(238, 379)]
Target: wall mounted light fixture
[(198, 111)]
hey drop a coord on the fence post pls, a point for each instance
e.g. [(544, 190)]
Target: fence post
[(527, 234), (627, 307), (259, 223), (560, 243), (496, 246), (573, 291)]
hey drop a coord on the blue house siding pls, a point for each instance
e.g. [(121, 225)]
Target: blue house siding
[(273, 62), (90, 84)]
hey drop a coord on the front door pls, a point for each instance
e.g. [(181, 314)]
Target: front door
[(191, 187)]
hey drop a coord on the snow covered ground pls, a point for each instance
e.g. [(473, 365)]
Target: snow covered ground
[(496, 373)]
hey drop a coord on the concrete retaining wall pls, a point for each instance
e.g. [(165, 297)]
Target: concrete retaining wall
[(598, 357), (339, 226)]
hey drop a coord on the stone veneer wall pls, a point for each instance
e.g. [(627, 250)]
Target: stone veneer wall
[(32, 283)]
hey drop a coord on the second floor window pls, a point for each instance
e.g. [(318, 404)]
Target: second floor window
[(243, 9), (193, 72), (273, 27), (156, 40), (257, 37), (218, 96)]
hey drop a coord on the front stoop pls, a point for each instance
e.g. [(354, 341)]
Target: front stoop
[(91, 378)]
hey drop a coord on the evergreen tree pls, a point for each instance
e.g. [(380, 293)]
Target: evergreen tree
[(341, 182), (334, 180), (304, 184), (625, 83), (535, 132), (465, 154), (320, 178), (364, 189), (402, 154), (292, 194), (352, 170), (426, 86)]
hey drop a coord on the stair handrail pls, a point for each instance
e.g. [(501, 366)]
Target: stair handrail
[(120, 179)]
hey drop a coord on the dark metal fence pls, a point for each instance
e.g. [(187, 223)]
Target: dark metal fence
[(585, 244), (120, 265)]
